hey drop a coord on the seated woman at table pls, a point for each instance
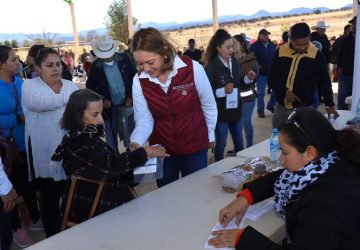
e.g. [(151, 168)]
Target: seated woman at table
[(318, 192), (84, 153)]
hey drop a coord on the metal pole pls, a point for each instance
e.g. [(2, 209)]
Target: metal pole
[(215, 15), (356, 76), (355, 7), (75, 34), (130, 19)]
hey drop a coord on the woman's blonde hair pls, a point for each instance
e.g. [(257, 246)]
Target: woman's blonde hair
[(151, 40)]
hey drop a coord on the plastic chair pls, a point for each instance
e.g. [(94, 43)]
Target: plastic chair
[(74, 179), (126, 123)]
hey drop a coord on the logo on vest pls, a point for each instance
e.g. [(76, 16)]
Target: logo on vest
[(183, 87), (184, 92)]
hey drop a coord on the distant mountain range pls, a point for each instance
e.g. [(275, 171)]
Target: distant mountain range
[(20, 37)]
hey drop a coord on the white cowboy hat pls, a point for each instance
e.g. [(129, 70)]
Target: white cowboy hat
[(105, 48), (320, 25)]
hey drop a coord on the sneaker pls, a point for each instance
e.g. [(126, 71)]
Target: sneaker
[(230, 152), (22, 238), (36, 226)]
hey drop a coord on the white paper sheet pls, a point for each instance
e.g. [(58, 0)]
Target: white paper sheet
[(232, 99), (148, 168), (253, 212)]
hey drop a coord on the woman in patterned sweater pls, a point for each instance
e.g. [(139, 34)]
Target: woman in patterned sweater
[(84, 153)]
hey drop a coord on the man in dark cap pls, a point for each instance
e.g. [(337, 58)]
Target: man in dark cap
[(345, 65), (264, 50)]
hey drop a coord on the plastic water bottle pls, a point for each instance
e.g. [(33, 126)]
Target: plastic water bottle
[(357, 115), (275, 146)]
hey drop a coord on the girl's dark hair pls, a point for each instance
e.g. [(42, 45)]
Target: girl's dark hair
[(4, 53), (216, 40), (318, 132), (150, 39), (242, 42), (43, 54), (34, 50), (299, 30), (75, 108)]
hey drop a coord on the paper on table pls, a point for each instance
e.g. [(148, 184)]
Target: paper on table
[(148, 168), (232, 99), (253, 212)]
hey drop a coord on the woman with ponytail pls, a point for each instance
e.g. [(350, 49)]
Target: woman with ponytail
[(317, 193)]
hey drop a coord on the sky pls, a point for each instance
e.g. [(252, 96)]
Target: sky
[(39, 16)]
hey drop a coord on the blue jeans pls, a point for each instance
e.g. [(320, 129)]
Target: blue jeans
[(184, 164), (112, 130), (345, 90), (221, 132), (261, 86), (247, 110), (316, 101)]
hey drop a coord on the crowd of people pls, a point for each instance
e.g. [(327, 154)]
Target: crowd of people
[(184, 104)]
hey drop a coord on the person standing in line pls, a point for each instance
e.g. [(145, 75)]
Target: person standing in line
[(193, 52), (296, 68), (111, 76), (43, 101), (12, 121), (173, 103), (8, 197), (223, 71), (264, 51), (345, 65), (248, 104), (320, 36)]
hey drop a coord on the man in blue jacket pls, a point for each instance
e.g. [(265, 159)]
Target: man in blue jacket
[(264, 51)]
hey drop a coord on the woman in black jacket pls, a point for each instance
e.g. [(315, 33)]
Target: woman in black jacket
[(84, 153), (223, 72), (318, 192)]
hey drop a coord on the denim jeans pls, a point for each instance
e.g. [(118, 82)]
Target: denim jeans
[(261, 87), (316, 101), (345, 90), (112, 130), (221, 132), (247, 110), (184, 164)]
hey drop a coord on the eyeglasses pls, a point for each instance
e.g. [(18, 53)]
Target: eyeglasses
[(291, 120)]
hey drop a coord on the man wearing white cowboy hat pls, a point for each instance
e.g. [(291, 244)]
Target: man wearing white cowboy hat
[(320, 36), (111, 76)]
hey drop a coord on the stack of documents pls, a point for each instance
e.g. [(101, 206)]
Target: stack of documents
[(253, 212)]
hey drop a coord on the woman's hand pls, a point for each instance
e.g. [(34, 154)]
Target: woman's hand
[(106, 104), (9, 200), (155, 151), (251, 75), (229, 88), (224, 238), (211, 144), (133, 146), (236, 208)]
